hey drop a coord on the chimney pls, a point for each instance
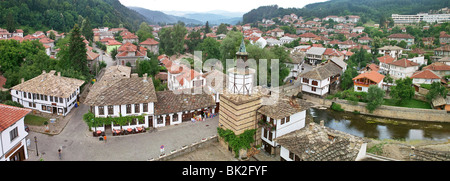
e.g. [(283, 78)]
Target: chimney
[(22, 80), (134, 75), (311, 126), (322, 123), (59, 74), (144, 77), (43, 72)]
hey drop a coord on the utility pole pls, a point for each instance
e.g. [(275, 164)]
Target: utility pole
[(35, 141)]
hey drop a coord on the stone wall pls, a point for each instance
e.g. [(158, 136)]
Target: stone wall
[(186, 149), (388, 111), (426, 154)]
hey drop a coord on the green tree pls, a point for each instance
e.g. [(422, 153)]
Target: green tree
[(222, 29), (194, 39), (436, 90), (374, 98), (172, 39), (210, 48), (230, 45), (145, 31), (86, 30), (74, 56), (207, 28), (403, 90), (10, 23), (151, 67), (346, 81)]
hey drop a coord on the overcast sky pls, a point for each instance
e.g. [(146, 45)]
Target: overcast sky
[(209, 5)]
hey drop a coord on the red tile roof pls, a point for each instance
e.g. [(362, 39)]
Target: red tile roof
[(10, 114), (401, 35), (404, 63), (425, 74), (437, 66), (308, 35), (149, 41), (371, 75), (386, 59), (2, 81)]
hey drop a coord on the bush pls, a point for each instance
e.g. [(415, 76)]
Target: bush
[(336, 107)]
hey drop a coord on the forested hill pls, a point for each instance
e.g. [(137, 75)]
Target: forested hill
[(366, 9), (62, 15)]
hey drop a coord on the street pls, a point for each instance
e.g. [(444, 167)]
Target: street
[(78, 144)]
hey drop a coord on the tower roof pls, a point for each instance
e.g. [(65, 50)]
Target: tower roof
[(242, 50)]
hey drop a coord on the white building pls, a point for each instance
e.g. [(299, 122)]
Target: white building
[(429, 18), (48, 93), (283, 117), (181, 76), (362, 82), (318, 80), (402, 68), (329, 145), (425, 77), (13, 146), (394, 51), (123, 96)]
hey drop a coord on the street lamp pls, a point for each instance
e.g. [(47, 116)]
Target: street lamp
[(35, 141)]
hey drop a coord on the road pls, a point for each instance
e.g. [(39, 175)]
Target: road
[(79, 145)]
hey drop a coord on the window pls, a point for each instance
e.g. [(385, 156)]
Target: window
[(101, 110), (315, 83), (137, 108), (313, 89), (305, 80), (60, 100), (359, 88), (25, 95), (291, 155), (30, 104), (128, 108), (29, 95), (51, 98), (270, 135), (265, 133), (110, 110), (13, 134), (42, 97), (145, 107), (44, 108), (288, 119), (282, 121)]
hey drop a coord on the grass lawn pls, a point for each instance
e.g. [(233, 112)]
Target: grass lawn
[(413, 103), (35, 120)]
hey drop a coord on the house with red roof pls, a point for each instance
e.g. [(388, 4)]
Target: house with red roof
[(13, 144), (439, 67), (362, 82), (305, 37), (409, 39), (151, 44), (129, 53), (402, 68), (425, 77), (444, 38)]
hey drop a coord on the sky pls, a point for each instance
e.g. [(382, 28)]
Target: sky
[(211, 5)]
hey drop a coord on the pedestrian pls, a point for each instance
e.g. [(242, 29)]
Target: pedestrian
[(104, 138), (59, 152)]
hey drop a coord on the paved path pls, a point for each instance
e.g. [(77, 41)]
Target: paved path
[(79, 145)]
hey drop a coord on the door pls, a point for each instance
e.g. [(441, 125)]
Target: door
[(55, 111), (150, 121)]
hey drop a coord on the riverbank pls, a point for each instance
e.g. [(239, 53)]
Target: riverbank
[(412, 150)]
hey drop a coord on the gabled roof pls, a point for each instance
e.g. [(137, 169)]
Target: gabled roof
[(133, 90), (149, 41), (425, 74), (386, 59), (283, 108), (51, 85), (437, 66), (319, 143), (308, 35), (404, 63), (169, 102), (401, 35), (371, 75), (322, 72), (11, 114)]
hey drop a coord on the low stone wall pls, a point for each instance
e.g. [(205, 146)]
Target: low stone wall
[(394, 112), (186, 149), (426, 154)]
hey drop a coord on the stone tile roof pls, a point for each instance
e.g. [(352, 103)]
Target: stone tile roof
[(404, 63), (322, 72), (50, 84), (171, 102), (11, 114), (319, 143), (110, 77), (284, 107), (401, 35), (131, 90)]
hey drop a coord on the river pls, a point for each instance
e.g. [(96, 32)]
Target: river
[(381, 128)]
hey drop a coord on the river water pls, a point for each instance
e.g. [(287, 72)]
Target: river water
[(381, 128)]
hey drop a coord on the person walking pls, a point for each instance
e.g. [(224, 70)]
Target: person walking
[(104, 138), (59, 152)]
